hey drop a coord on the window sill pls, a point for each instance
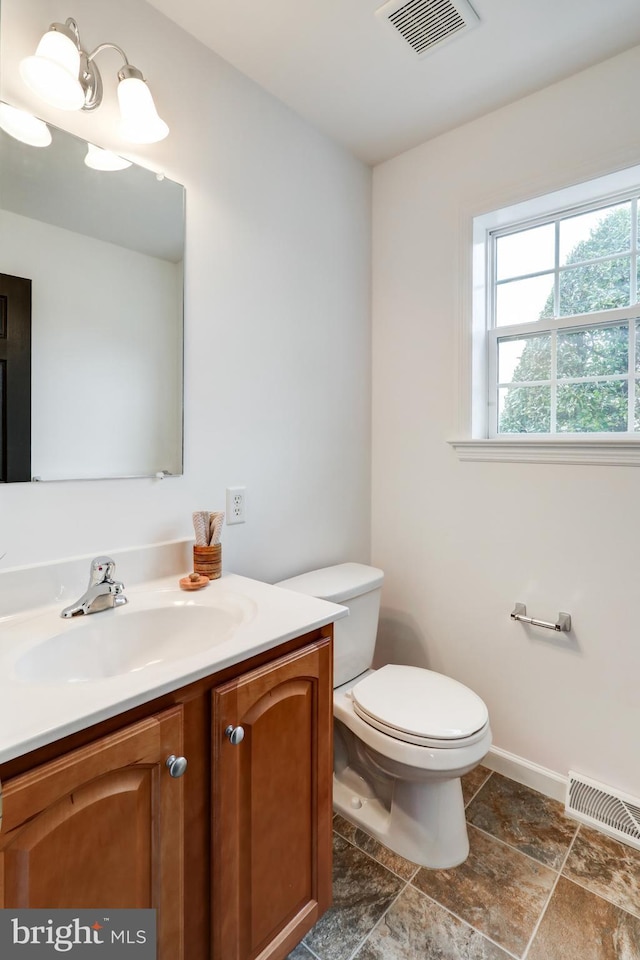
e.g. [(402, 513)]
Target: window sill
[(615, 453)]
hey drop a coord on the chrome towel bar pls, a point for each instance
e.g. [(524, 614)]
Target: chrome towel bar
[(562, 623)]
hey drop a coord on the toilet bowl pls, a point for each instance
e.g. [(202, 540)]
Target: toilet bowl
[(421, 813), (403, 735)]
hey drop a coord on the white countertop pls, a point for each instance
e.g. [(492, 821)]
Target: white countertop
[(36, 710)]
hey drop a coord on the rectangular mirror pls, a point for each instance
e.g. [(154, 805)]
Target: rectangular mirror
[(103, 254)]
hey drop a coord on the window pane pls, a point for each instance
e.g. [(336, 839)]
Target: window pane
[(524, 409), (523, 301), (524, 358), (638, 345), (636, 417), (599, 286), (529, 251), (594, 352), (595, 234), (592, 407)]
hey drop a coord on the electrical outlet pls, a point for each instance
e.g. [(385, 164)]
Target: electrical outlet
[(236, 497)]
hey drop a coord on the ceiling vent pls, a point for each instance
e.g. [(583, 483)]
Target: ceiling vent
[(425, 24)]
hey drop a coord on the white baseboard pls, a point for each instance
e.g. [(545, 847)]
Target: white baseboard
[(545, 781)]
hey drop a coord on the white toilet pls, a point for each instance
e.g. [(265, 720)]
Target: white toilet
[(403, 736)]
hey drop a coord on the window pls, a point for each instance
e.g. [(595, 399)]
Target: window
[(564, 321), (554, 368)]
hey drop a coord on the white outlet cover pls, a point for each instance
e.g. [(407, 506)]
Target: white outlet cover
[(236, 504)]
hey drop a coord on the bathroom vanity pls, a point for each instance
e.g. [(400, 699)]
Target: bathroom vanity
[(235, 850)]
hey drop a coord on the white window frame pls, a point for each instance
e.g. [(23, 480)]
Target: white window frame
[(485, 443)]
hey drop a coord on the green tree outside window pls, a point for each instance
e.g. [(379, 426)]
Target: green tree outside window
[(598, 351)]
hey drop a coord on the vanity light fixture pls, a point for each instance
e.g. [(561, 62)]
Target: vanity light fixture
[(99, 159), (67, 77), (22, 126)]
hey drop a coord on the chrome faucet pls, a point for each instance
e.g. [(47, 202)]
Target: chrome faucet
[(102, 593)]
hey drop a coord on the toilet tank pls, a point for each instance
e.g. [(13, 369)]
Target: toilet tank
[(358, 587)]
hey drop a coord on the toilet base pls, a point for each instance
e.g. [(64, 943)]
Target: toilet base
[(424, 823)]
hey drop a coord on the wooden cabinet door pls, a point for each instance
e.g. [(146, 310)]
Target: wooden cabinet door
[(101, 826), (272, 805)]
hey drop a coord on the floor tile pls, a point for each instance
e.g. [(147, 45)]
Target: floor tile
[(524, 818), (362, 891), (489, 907), (471, 782), (300, 953), (606, 867), (497, 890), (392, 861), (344, 827), (416, 927), (578, 925)]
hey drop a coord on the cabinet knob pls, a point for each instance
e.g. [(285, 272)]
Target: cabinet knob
[(235, 734), (176, 765)]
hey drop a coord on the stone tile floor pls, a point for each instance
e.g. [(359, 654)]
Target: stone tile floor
[(536, 886)]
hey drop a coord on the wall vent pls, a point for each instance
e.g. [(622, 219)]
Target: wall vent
[(424, 24), (610, 811)]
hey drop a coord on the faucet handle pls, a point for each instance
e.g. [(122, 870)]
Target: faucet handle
[(102, 569)]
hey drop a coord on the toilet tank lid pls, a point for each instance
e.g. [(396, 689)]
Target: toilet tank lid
[(344, 581)]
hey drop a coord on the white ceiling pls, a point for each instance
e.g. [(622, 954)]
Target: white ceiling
[(341, 68)]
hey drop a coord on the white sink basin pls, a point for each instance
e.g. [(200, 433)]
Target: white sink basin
[(122, 641)]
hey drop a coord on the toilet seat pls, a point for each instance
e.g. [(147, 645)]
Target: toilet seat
[(420, 706)]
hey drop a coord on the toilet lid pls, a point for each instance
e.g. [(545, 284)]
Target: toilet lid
[(419, 703)]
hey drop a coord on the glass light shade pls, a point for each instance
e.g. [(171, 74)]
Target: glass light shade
[(53, 72), (140, 122), (22, 126), (99, 159)]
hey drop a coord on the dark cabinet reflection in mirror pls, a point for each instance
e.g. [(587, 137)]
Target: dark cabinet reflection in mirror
[(104, 254), (15, 378)]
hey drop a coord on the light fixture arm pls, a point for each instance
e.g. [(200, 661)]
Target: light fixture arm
[(92, 74), (90, 77), (106, 46), (70, 29)]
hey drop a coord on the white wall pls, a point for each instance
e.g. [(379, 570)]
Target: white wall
[(461, 542), (277, 309)]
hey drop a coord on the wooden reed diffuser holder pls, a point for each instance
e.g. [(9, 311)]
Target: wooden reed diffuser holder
[(207, 561)]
